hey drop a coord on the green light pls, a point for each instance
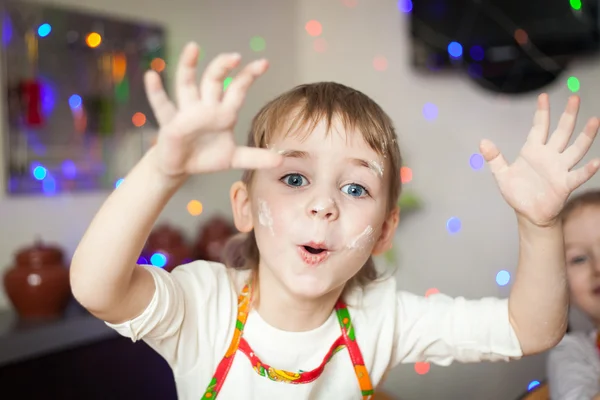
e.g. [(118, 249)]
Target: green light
[(227, 82), (257, 43), (573, 84), (575, 4)]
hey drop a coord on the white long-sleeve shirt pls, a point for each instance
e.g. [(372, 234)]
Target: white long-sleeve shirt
[(573, 367), (191, 319)]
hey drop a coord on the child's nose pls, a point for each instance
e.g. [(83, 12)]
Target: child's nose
[(324, 209)]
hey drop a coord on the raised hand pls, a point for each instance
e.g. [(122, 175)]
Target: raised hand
[(196, 134), (541, 179)]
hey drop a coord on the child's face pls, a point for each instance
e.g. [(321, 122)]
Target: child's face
[(331, 191), (582, 240)]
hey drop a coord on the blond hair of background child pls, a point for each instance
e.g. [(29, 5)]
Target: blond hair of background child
[(299, 312), (574, 365)]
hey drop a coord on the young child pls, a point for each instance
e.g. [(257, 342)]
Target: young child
[(574, 365), (299, 311)]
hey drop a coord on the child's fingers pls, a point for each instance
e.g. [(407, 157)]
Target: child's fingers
[(161, 105), (185, 76), (255, 158), (581, 175), (541, 120), (236, 92), (561, 136), (582, 144), (211, 85)]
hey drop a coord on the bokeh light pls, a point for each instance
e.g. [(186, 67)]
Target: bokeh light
[(422, 368), (350, 3), (69, 169), (477, 53), (227, 82), (93, 40), (380, 63), (405, 6), (503, 278), (75, 101), (575, 4), (521, 37), (313, 28), (39, 172), (430, 111), (532, 385), (455, 49), (431, 291), (138, 119), (158, 259), (44, 30), (476, 161), (573, 84), (119, 182), (406, 175), (194, 207), (320, 45), (453, 225), (258, 43), (158, 64)]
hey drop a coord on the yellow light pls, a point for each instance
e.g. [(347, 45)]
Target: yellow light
[(194, 207), (93, 40)]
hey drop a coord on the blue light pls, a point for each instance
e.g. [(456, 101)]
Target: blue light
[(48, 96), (7, 30), (453, 225), (75, 101), (455, 49), (477, 53), (49, 185), (476, 161), (142, 261), (502, 278), (430, 111), (118, 182), (39, 172), (532, 385), (158, 260), (405, 6), (69, 169), (44, 30)]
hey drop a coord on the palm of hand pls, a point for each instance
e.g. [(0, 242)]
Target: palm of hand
[(196, 136), (539, 182)]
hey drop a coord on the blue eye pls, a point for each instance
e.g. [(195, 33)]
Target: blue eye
[(354, 190), (295, 180)]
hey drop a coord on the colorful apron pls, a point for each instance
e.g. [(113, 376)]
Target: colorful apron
[(346, 340)]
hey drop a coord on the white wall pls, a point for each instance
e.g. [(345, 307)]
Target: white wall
[(438, 152)]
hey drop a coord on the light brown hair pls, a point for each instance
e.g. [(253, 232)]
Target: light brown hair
[(579, 201), (300, 110)]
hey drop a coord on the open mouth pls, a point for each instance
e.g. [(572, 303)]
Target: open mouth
[(313, 250), (313, 254)]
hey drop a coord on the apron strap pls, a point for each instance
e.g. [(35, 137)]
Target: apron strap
[(346, 340)]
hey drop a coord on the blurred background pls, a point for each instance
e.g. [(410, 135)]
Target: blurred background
[(75, 119)]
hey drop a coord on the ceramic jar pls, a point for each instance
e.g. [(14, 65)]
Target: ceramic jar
[(38, 282), (212, 237)]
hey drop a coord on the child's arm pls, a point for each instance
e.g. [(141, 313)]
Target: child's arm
[(104, 276), (537, 185), (195, 137)]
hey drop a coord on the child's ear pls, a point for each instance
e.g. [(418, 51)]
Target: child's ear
[(240, 204), (386, 239)]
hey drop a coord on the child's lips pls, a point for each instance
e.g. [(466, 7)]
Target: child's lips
[(310, 258)]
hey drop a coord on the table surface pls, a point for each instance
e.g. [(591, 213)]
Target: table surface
[(22, 340)]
